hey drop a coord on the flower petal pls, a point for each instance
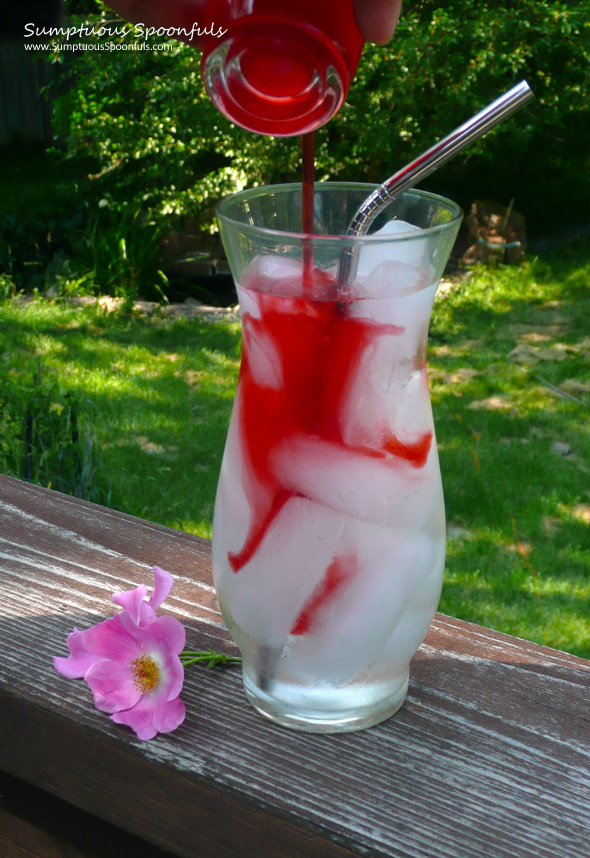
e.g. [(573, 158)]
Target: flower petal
[(170, 633), (131, 661), (113, 686), (168, 715), (79, 660), (163, 582), (146, 617), (163, 640), (139, 718), (131, 601), (111, 640), (174, 674), (150, 717), (147, 614)]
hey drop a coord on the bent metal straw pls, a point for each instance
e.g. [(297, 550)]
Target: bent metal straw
[(427, 163)]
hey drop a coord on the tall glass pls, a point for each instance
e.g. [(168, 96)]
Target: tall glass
[(329, 527)]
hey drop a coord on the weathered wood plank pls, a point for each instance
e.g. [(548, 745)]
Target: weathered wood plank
[(34, 823), (490, 755)]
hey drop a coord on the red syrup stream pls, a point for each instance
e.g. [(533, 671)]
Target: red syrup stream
[(307, 208)]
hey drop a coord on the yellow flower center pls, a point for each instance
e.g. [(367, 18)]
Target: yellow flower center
[(146, 673)]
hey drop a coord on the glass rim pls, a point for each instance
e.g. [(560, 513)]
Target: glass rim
[(244, 226)]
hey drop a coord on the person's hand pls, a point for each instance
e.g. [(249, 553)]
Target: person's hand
[(158, 13), (377, 19)]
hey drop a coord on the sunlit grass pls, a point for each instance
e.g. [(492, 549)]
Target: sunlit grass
[(157, 400), (509, 360), (510, 380)]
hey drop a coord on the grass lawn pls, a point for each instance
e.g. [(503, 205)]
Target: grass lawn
[(155, 400), (510, 378), (509, 360)]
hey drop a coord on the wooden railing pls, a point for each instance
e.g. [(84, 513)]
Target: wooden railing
[(488, 758)]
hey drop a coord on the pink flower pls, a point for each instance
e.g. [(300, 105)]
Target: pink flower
[(131, 662)]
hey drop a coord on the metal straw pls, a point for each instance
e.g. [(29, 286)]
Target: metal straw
[(428, 162)]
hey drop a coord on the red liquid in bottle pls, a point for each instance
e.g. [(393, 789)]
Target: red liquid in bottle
[(284, 66)]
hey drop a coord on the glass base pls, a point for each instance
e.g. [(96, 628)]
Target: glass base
[(314, 709)]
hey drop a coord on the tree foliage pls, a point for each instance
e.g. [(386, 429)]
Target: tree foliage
[(146, 124), (450, 59)]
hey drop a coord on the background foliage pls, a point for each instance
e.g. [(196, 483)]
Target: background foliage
[(139, 145), (146, 120), (45, 435)]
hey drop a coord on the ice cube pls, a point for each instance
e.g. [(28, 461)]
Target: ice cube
[(388, 271), (388, 378), (393, 292), (264, 361), (267, 595), (249, 304), (391, 278), (231, 520), (409, 252), (419, 611), (351, 629), (385, 401), (405, 351), (268, 268), (359, 484), (412, 409), (411, 312)]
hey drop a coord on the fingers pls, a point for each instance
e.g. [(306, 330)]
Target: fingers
[(377, 19), (156, 13)]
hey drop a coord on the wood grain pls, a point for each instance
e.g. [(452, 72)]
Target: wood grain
[(489, 756)]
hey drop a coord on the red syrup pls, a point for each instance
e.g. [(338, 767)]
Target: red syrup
[(307, 203), (340, 570), (317, 345), (307, 181)]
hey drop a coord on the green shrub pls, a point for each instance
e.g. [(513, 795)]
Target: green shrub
[(44, 433), (159, 145), (446, 61), (7, 287), (121, 250)]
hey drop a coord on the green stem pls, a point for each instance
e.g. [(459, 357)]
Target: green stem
[(213, 659)]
